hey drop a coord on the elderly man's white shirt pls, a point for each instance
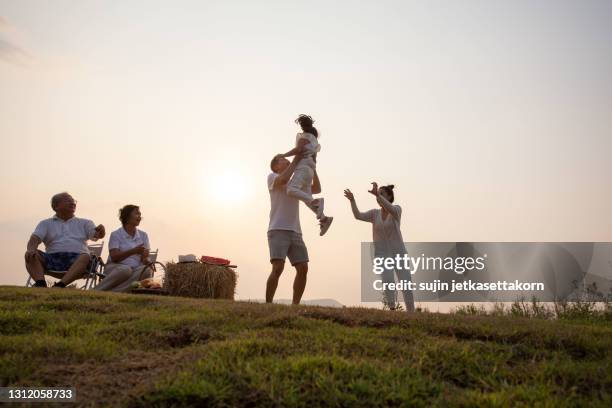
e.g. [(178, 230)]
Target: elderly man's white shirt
[(70, 235)]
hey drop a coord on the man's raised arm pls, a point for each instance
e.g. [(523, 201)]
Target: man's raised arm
[(284, 177)]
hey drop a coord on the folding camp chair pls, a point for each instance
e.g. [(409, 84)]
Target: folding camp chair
[(94, 271), (154, 266)]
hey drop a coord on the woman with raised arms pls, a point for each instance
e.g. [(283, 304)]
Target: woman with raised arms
[(387, 237)]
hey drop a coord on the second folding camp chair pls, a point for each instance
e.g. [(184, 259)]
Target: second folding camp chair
[(95, 269)]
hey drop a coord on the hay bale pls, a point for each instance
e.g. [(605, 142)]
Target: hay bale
[(200, 280)]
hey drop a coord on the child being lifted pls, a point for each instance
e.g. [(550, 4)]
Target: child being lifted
[(299, 185)]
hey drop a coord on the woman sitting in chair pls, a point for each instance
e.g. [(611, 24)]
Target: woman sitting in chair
[(128, 253)]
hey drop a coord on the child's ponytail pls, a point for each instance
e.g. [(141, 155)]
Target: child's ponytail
[(306, 123)]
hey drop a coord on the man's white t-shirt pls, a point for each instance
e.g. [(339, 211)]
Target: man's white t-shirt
[(65, 236), (121, 240), (284, 210)]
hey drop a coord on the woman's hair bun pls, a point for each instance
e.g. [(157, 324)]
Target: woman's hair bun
[(391, 186)]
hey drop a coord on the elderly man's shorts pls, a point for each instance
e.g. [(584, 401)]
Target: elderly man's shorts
[(60, 261), (288, 244)]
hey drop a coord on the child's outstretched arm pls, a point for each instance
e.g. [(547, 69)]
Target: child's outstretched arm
[(297, 149)]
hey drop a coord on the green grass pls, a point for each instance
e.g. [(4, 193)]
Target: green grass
[(136, 350)]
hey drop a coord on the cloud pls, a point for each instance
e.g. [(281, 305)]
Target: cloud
[(9, 50)]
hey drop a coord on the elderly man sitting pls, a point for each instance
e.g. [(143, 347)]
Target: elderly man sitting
[(65, 237)]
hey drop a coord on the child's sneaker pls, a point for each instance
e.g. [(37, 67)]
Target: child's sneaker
[(325, 224)]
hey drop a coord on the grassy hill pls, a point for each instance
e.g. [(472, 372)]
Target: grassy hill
[(137, 350)]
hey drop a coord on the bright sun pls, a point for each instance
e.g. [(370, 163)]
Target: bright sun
[(230, 185)]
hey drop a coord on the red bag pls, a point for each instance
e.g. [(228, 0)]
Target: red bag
[(211, 260)]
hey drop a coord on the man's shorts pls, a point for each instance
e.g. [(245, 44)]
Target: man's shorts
[(59, 261), (284, 243)]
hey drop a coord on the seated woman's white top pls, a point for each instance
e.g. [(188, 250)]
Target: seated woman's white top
[(121, 240)]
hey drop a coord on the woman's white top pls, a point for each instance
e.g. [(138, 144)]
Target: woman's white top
[(121, 240), (386, 234), (310, 149)]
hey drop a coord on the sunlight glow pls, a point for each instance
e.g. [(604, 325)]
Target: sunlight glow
[(229, 186)]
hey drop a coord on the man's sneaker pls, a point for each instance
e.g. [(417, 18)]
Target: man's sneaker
[(325, 224), (40, 284), (59, 284), (320, 205)]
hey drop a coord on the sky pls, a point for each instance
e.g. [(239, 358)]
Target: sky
[(492, 118)]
